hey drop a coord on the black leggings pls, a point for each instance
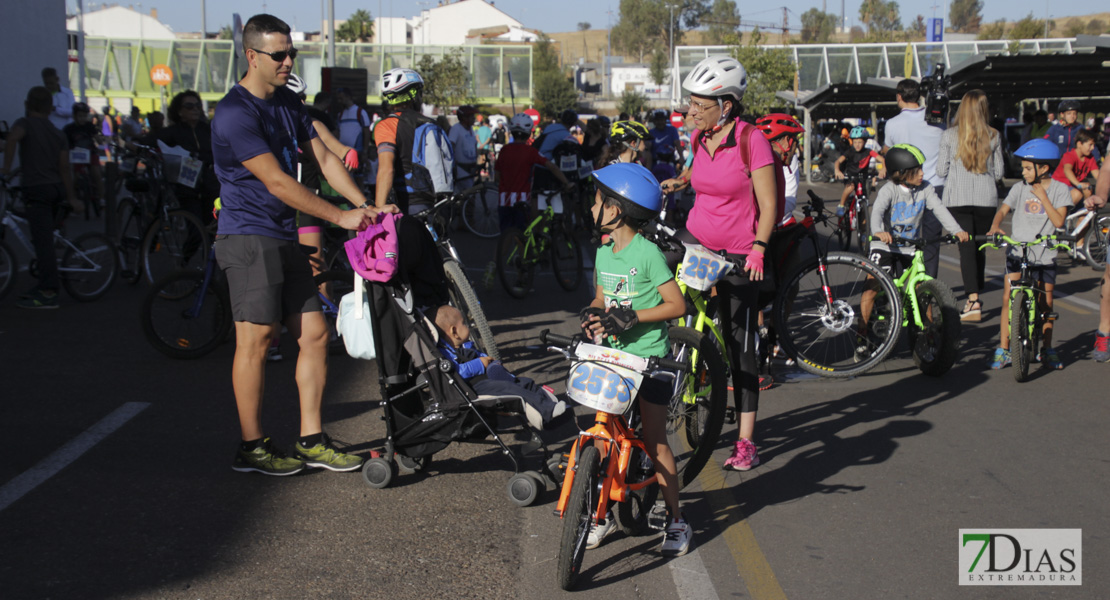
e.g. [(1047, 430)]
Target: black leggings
[(975, 220), (737, 305)]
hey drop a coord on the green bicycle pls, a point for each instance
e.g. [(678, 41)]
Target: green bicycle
[(1028, 309), (520, 254), (929, 313)]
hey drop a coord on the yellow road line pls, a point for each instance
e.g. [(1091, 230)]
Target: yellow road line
[(751, 564)]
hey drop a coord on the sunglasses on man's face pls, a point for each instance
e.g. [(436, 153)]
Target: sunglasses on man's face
[(279, 56)]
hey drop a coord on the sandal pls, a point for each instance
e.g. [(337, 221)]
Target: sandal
[(973, 311)]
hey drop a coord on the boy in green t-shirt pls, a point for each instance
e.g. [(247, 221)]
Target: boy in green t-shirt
[(636, 296)]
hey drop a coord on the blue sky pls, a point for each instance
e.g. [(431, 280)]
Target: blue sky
[(561, 15)]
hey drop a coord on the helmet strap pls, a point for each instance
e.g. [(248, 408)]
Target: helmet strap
[(597, 232)]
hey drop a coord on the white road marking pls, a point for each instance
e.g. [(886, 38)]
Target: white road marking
[(690, 577), (62, 457)]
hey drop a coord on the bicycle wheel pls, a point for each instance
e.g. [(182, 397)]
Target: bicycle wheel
[(480, 215), (1021, 346), (182, 318), (844, 231), (566, 259), (463, 298), (936, 346), (515, 266), (632, 514), (578, 516), (9, 268), (174, 243), (863, 231), (89, 268), (130, 227), (1094, 246), (696, 412), (831, 339)]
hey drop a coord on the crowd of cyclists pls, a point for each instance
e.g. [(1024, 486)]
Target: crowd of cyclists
[(741, 171)]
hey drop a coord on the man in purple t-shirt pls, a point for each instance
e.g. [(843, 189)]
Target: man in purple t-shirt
[(259, 128)]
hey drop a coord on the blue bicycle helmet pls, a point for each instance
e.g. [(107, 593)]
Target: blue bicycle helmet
[(858, 133), (635, 187), (1039, 151)]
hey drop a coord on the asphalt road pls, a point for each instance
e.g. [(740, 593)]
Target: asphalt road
[(116, 479)]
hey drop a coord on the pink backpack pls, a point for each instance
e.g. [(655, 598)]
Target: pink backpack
[(373, 252)]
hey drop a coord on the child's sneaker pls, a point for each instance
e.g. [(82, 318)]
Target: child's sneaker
[(840, 210), (39, 299), (267, 460), (1051, 359), (765, 382), (744, 456), (1101, 353), (676, 541), (325, 456), (600, 532), (1001, 358), (273, 353)]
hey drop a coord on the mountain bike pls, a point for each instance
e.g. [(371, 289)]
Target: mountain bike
[(156, 237), (87, 264), (854, 220), (1081, 223), (817, 310), (1028, 310), (547, 237), (187, 314), (929, 312), (479, 211), (605, 379), (460, 289)]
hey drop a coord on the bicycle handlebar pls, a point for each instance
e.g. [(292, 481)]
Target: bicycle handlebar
[(567, 344), (999, 239), (921, 242)]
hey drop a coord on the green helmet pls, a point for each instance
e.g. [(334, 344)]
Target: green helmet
[(903, 157)]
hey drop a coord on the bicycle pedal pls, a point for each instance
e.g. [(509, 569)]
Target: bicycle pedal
[(730, 415), (1052, 316), (657, 518)]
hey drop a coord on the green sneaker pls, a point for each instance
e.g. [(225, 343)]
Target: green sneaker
[(38, 299), (325, 456), (266, 460)]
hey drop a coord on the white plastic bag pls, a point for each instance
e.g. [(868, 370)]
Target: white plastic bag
[(353, 322)]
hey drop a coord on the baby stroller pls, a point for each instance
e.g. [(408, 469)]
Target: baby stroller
[(427, 405)]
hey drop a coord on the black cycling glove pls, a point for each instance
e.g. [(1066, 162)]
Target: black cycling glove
[(617, 320), (590, 311)]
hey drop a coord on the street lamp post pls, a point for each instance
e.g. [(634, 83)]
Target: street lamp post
[(670, 53)]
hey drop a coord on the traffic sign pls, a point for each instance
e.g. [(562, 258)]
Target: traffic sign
[(161, 75)]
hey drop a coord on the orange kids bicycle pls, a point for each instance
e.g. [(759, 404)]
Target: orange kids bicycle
[(606, 380)]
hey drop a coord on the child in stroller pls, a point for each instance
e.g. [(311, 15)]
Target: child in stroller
[(489, 377)]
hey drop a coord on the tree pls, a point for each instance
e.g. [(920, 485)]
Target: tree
[(552, 91), (632, 102), (723, 21), (966, 16), (1095, 27), (1027, 29), (918, 28), (1074, 28), (446, 80), (817, 27), (645, 25), (882, 19), (584, 27), (659, 67), (225, 33), (993, 31), (359, 27), (769, 71)]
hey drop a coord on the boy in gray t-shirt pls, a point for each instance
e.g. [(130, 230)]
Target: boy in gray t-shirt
[(1039, 204)]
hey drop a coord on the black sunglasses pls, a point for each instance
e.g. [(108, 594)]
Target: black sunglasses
[(279, 56)]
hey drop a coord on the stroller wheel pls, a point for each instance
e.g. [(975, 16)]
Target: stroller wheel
[(407, 464), (523, 489), (379, 472)]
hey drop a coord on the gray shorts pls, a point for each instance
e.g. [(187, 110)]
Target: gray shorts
[(269, 279)]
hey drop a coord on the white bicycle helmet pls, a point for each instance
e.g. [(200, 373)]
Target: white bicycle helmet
[(521, 123), (717, 75), (399, 85), (296, 84)]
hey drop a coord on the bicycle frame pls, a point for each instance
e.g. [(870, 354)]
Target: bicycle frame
[(16, 225), (908, 282), (619, 441), (1025, 283)]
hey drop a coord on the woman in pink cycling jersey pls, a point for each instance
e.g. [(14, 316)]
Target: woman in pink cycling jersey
[(734, 211)]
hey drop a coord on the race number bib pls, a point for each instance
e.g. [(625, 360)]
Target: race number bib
[(80, 156), (190, 172), (605, 379), (568, 163), (702, 268), (585, 170)]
